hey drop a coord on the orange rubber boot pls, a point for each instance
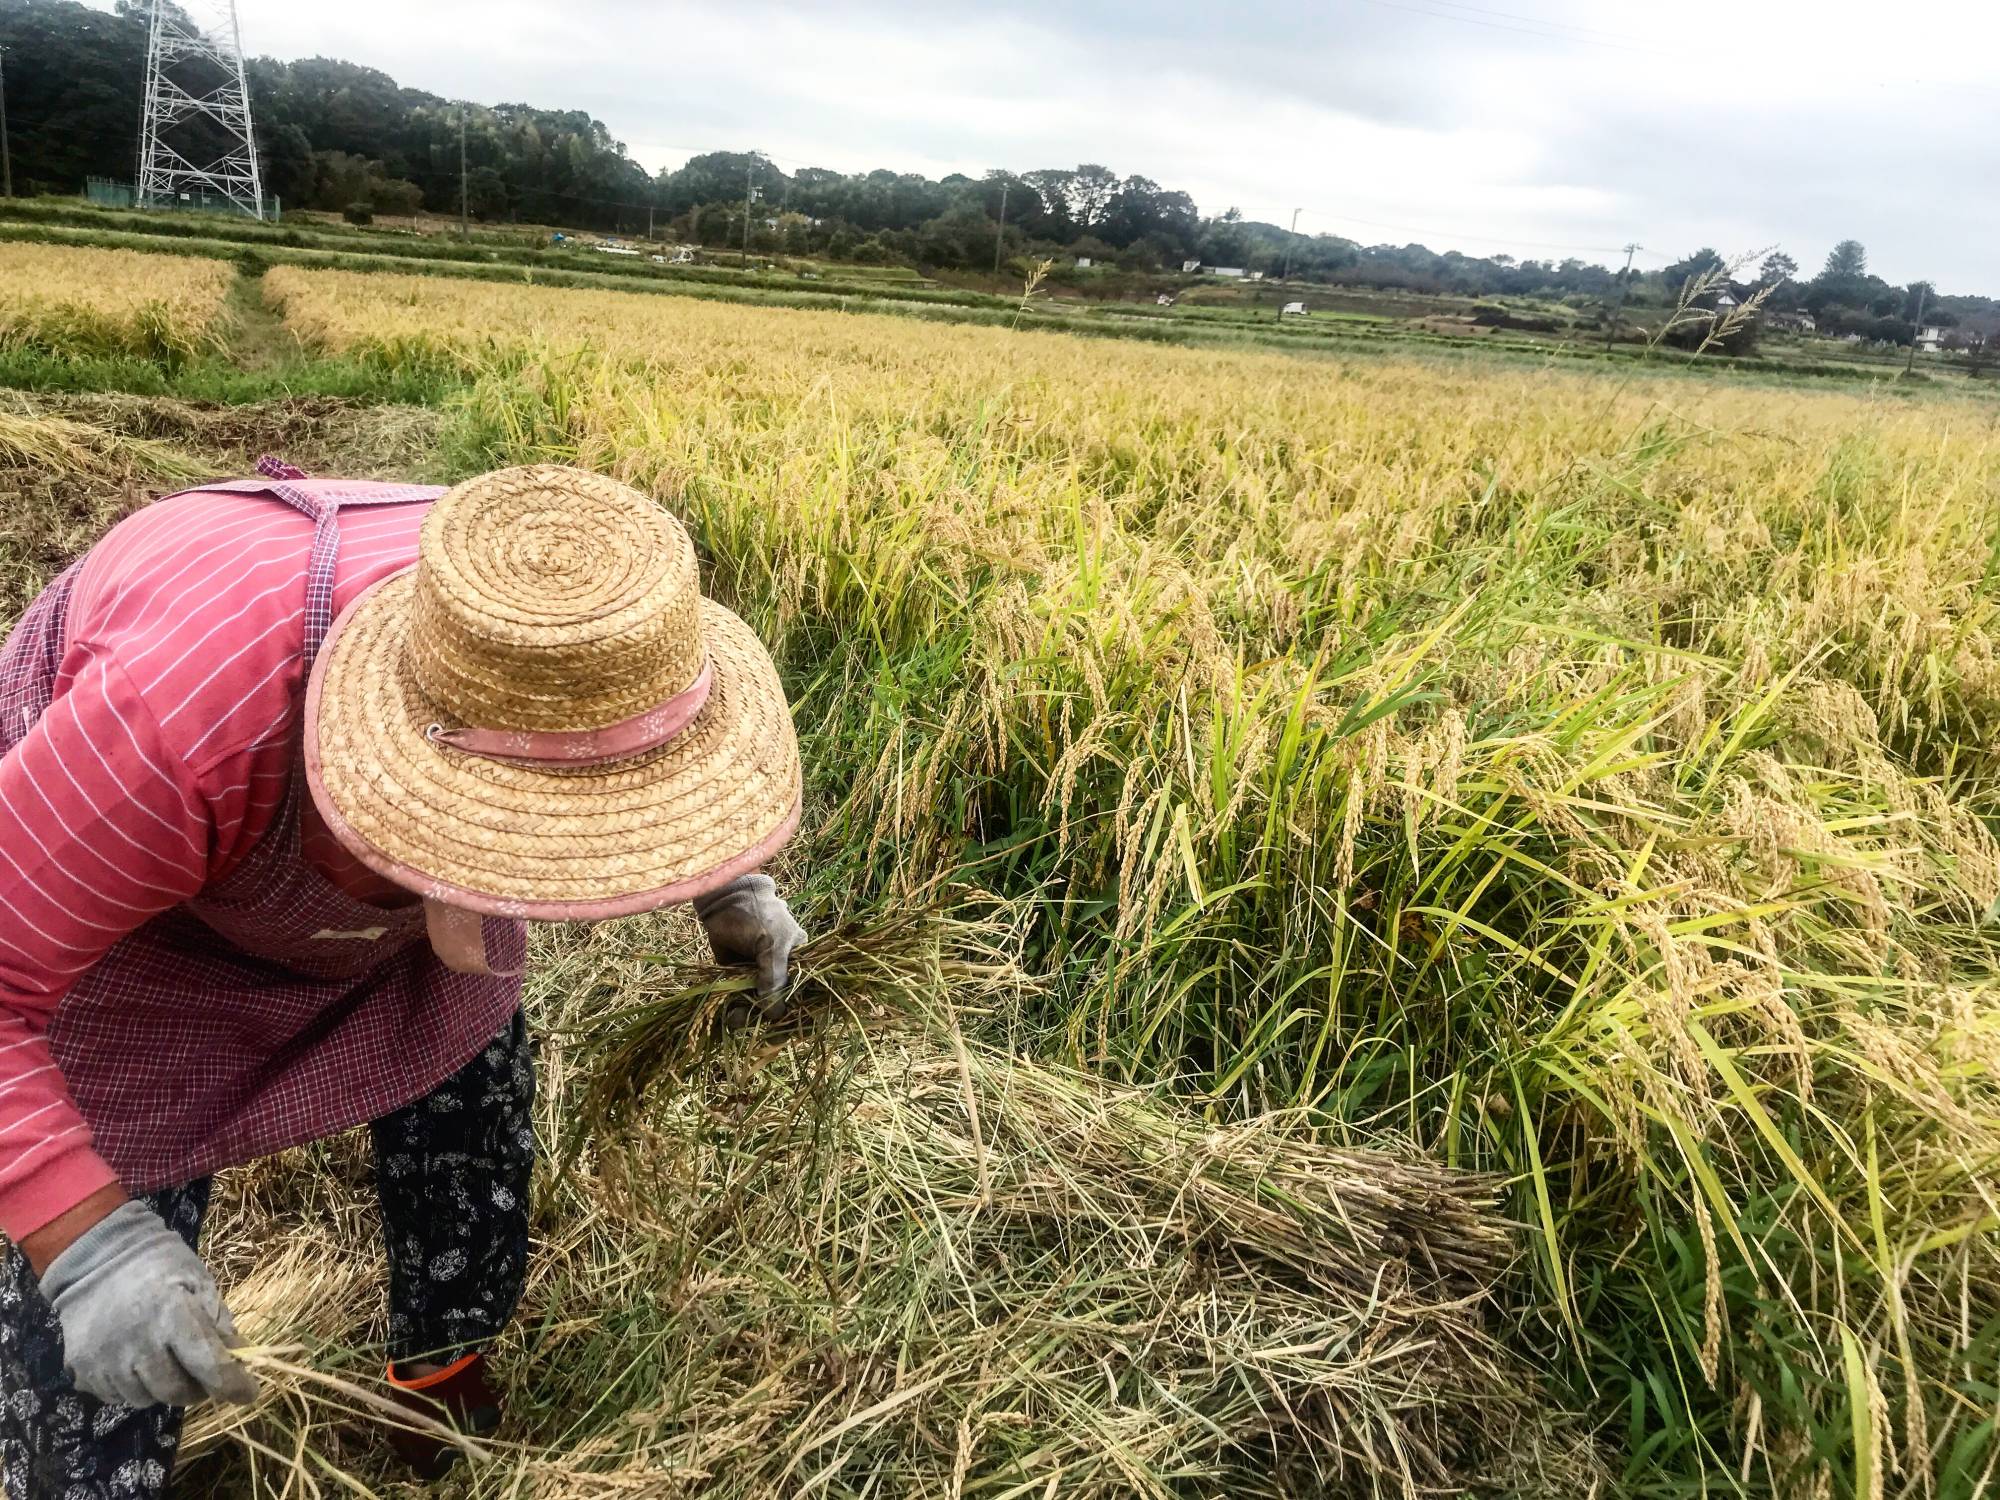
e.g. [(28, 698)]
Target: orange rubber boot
[(458, 1396)]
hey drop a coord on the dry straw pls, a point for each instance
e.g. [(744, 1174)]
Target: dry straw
[(78, 301), (866, 1253)]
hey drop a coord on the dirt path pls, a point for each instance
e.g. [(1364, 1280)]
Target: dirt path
[(258, 338)]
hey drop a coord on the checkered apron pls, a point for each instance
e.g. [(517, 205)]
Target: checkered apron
[(273, 1008)]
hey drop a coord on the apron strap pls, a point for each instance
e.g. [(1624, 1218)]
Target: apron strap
[(457, 936)]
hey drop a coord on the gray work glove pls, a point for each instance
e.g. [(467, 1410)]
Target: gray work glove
[(748, 922), (142, 1322)]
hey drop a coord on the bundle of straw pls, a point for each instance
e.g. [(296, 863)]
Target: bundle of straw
[(863, 1252), (960, 1271), (1028, 1275), (883, 966)]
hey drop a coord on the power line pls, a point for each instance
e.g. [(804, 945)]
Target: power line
[(1581, 33), (1547, 36), (1590, 36), (1455, 234)]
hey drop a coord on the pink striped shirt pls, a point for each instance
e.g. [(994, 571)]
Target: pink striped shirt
[(159, 764)]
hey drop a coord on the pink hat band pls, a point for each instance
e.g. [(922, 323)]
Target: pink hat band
[(631, 737)]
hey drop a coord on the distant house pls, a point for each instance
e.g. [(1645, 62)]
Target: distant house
[(1165, 299), (1189, 267), (1227, 271), (1725, 300), (1293, 310), (1930, 340), (1083, 262)]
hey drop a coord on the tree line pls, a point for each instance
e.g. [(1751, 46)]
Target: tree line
[(334, 135)]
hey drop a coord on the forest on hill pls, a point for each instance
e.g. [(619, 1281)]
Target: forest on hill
[(337, 136)]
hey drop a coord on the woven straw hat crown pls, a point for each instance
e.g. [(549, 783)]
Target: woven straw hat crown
[(551, 599), (543, 717)]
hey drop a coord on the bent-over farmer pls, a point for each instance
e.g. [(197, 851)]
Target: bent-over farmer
[(288, 764)]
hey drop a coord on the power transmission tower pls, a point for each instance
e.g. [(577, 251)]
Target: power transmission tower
[(1624, 290), (195, 136)]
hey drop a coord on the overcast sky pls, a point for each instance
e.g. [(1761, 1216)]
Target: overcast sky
[(1530, 127)]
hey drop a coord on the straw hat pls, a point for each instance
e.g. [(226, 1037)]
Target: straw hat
[(544, 717)]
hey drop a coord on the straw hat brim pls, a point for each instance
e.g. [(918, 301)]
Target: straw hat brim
[(559, 844)]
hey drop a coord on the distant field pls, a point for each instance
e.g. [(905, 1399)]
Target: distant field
[(1207, 313)]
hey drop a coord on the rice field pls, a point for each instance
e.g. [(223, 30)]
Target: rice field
[(108, 302), (1593, 781), (1566, 798)]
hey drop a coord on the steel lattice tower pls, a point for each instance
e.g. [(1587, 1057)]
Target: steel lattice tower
[(196, 138)]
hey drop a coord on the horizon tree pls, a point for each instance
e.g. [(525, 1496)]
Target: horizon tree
[(1846, 261)]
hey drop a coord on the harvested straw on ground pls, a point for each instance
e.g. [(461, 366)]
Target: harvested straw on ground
[(1057, 1281), (870, 1254), (904, 962)]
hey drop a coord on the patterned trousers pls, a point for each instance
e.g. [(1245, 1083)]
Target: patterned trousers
[(452, 1173)]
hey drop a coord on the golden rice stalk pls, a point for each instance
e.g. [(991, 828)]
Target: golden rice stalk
[(77, 300)]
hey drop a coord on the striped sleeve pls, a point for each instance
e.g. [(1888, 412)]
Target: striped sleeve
[(101, 828)]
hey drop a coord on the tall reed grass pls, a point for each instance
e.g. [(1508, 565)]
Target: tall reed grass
[(1593, 781)]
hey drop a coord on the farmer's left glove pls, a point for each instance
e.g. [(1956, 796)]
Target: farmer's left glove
[(142, 1322), (748, 922)]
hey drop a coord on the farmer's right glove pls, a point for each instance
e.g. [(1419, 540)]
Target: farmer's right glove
[(748, 922), (142, 1321)]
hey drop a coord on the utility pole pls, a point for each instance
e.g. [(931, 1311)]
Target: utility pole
[(6, 155), (1001, 228), (1624, 290), (749, 197), (649, 221), (1916, 327), (464, 185), (1285, 275)]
